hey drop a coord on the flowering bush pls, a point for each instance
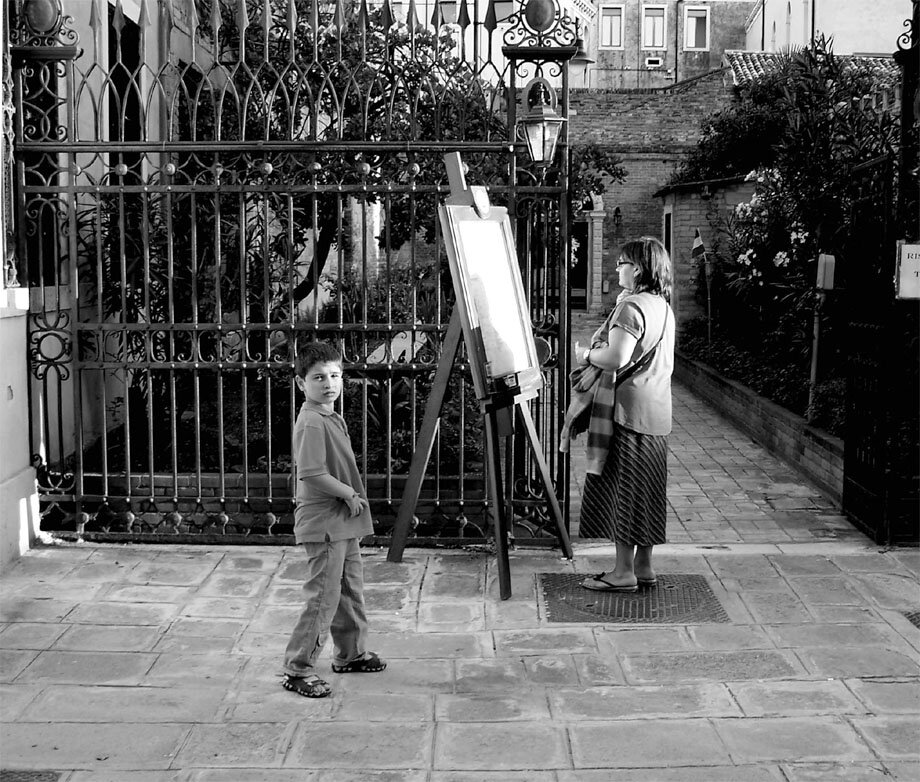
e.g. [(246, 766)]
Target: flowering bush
[(769, 255), (801, 163)]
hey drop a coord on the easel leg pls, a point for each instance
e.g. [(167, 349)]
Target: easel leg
[(429, 430), (499, 517), (527, 420)]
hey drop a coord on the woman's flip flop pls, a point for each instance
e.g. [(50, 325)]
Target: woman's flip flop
[(600, 584)]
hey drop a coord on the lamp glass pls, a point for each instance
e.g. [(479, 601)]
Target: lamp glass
[(541, 132)]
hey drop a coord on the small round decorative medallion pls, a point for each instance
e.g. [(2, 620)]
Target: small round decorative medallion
[(42, 16), (540, 14)]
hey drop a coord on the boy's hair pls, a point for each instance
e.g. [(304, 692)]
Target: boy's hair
[(310, 353)]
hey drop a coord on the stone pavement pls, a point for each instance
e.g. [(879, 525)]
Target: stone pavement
[(160, 663), (725, 488)]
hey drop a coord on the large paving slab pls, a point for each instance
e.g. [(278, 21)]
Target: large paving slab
[(643, 743), (104, 746)]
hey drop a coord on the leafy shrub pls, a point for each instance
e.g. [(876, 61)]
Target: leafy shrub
[(828, 406), (767, 371), (801, 129)]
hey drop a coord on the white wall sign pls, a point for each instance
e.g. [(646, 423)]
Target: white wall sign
[(907, 277), (826, 265)]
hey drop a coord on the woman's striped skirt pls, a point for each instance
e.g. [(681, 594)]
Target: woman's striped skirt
[(627, 503)]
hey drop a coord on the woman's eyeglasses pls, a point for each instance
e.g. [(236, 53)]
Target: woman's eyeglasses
[(621, 262)]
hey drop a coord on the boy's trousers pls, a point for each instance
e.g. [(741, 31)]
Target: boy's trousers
[(333, 602)]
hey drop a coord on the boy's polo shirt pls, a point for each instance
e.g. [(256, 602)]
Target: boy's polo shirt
[(321, 445)]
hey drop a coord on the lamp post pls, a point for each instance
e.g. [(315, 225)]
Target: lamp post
[(542, 37), (541, 125), (538, 44), (581, 58)]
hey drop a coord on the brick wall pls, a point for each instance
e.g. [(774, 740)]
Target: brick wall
[(647, 120), (649, 130), (691, 209)]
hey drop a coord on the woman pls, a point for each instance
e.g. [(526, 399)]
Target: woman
[(626, 499)]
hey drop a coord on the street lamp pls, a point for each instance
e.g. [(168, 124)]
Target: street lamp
[(581, 58), (542, 37), (541, 125)]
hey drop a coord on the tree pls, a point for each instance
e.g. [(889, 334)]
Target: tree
[(814, 131)]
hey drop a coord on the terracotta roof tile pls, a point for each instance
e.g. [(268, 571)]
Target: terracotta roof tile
[(747, 66)]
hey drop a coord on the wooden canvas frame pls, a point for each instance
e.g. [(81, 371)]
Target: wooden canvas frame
[(494, 311)]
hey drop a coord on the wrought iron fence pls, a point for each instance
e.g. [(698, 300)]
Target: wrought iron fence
[(882, 438), (203, 186)]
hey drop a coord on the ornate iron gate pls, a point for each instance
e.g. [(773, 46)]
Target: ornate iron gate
[(881, 487), (204, 185)]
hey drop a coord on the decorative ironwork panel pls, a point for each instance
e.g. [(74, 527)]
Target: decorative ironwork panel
[(203, 186), (865, 454), (881, 440)]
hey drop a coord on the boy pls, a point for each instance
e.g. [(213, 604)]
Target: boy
[(331, 516)]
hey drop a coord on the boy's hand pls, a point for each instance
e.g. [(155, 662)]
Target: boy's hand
[(356, 504)]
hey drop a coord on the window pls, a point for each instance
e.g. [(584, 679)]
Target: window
[(696, 28), (611, 22), (653, 27)]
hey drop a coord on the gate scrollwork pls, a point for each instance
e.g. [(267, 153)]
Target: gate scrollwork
[(202, 187)]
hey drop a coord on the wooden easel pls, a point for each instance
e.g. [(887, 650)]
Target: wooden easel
[(501, 411)]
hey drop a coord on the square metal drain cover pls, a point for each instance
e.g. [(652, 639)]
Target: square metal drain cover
[(914, 618), (677, 599)]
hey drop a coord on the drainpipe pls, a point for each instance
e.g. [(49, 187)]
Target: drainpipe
[(763, 25), (806, 39), (814, 4), (639, 51), (676, 38)]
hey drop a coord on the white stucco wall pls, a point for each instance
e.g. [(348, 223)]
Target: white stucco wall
[(857, 26), (18, 494)]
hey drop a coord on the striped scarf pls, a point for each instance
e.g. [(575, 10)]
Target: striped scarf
[(593, 397), (591, 407)]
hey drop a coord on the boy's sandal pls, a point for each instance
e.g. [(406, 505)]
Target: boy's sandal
[(370, 663), (309, 686)]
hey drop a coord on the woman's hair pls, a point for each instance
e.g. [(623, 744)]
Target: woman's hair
[(650, 257), (310, 353)]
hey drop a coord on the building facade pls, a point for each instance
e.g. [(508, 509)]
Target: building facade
[(640, 45), (857, 26)]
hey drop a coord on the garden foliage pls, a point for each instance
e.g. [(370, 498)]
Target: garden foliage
[(796, 134)]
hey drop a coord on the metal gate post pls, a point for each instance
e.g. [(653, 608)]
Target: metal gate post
[(540, 42)]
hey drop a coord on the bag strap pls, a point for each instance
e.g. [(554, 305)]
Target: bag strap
[(646, 358)]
